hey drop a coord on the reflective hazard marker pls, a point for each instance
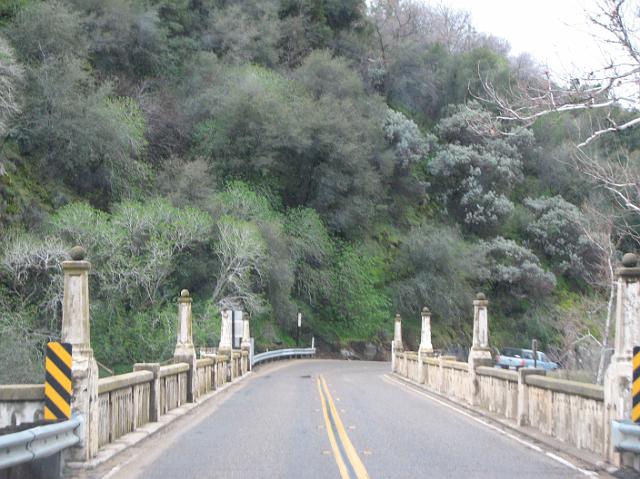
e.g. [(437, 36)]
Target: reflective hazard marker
[(635, 388), (57, 386)]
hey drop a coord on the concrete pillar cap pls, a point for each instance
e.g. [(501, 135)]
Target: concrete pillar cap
[(398, 318), (425, 311), (630, 260), (77, 253)]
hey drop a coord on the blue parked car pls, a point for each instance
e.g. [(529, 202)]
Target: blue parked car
[(516, 358), (543, 361)]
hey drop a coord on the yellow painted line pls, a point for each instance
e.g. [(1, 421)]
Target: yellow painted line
[(57, 400), (59, 376), (636, 361), (62, 353), (635, 413), (342, 467), (352, 455)]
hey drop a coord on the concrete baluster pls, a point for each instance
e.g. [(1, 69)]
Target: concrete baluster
[(185, 352), (76, 330), (522, 407), (617, 381), (154, 393)]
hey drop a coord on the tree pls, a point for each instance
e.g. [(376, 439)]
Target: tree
[(607, 96), (125, 37), (557, 230), (46, 30), (435, 266), (516, 271), (240, 251), (11, 78), (80, 132), (136, 248), (246, 32)]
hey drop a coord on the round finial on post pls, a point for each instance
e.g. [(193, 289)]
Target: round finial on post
[(77, 253), (630, 260), (481, 297), (398, 318), (184, 293), (425, 311)]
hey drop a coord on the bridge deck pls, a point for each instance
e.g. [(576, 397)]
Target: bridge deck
[(283, 422)]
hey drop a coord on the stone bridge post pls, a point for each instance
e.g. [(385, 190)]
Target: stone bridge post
[(617, 380), (480, 354), (426, 347), (76, 329), (396, 345), (225, 346), (246, 343), (185, 352)]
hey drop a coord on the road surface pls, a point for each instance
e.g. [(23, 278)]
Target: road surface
[(331, 419)]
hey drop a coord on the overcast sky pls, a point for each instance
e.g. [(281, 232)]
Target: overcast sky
[(555, 32)]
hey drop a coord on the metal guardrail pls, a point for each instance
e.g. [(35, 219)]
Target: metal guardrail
[(39, 442), (625, 436), (282, 353)]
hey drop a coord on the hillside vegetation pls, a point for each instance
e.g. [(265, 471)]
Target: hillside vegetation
[(283, 155)]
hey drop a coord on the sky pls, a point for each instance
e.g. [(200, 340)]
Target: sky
[(555, 32)]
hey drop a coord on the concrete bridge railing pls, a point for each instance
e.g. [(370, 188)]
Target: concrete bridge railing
[(116, 406), (578, 414)]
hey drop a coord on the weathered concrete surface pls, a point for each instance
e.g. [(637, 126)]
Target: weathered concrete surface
[(565, 410), (617, 380), (76, 330), (273, 427), (21, 403)]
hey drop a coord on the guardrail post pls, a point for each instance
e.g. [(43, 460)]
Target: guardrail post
[(154, 393), (617, 381), (185, 352), (480, 354), (76, 330)]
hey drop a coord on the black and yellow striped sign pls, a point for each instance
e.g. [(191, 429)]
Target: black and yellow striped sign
[(57, 386), (635, 387)]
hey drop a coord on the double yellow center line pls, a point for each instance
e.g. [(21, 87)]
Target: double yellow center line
[(342, 447)]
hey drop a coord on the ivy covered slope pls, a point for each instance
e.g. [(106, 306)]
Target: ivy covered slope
[(276, 156)]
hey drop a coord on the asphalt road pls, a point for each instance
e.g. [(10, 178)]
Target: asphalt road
[(331, 419)]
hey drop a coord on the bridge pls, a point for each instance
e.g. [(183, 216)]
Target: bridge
[(220, 415)]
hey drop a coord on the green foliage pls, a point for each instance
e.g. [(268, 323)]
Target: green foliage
[(437, 268), (80, 133), (321, 74), (11, 78), (246, 32), (47, 30), (359, 304), (125, 37), (558, 232), (276, 156), (515, 271)]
